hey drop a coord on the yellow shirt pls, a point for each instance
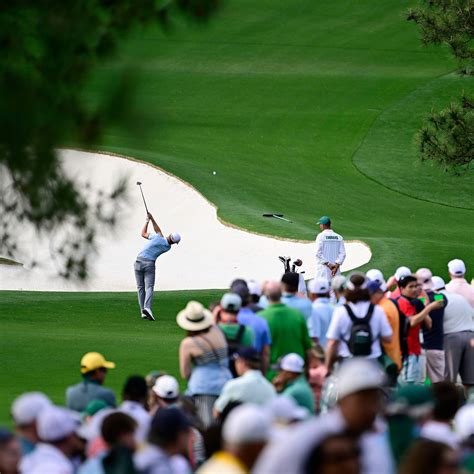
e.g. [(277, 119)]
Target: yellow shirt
[(392, 349), (223, 463)]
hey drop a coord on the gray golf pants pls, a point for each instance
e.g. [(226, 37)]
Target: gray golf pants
[(145, 277)]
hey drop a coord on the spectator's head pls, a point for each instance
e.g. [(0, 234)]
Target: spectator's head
[(94, 366), (245, 433), (402, 272), (316, 356), (273, 292), (118, 429), (170, 430), (448, 400), (195, 319), (166, 390), (359, 384), (376, 291), (457, 268), (284, 411), (338, 285), (290, 282), (356, 288), (25, 411), (291, 367), (408, 286), (135, 389), (429, 457), (58, 426), (93, 407), (438, 284), (339, 453), (230, 307), (10, 452), (255, 290), (375, 275), (240, 288), (247, 358), (424, 277), (318, 288), (324, 222)]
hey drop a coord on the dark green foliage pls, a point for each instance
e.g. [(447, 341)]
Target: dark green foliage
[(447, 137), (48, 49), (450, 22)]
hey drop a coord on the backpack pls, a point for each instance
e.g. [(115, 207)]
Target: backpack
[(360, 339), (233, 345), (403, 327)]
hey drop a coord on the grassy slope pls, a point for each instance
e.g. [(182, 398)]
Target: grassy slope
[(44, 336), (277, 97)]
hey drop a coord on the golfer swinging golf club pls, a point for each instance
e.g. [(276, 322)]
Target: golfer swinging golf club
[(330, 251), (145, 263)]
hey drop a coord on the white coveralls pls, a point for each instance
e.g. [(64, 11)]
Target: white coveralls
[(329, 249)]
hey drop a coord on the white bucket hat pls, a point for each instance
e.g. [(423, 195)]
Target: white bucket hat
[(194, 317)]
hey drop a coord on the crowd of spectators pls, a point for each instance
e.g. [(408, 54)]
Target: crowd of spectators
[(357, 375)]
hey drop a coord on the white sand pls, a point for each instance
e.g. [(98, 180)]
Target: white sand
[(210, 255)]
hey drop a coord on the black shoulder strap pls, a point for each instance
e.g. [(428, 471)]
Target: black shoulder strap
[(370, 311), (240, 334), (350, 313), (365, 319)]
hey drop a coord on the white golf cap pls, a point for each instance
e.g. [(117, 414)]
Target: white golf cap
[(318, 286), (292, 363), (166, 387), (231, 302), (55, 423), (358, 374), (254, 287), (375, 275), (175, 237), (284, 410), (402, 272), (438, 283), (338, 282), (464, 422), (457, 267), (27, 407), (246, 424), (424, 276)]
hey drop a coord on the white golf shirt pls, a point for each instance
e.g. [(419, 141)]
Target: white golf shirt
[(46, 458), (329, 249), (140, 415)]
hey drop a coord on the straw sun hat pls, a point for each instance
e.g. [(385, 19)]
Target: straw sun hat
[(194, 317)]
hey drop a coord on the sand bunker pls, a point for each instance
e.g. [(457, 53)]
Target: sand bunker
[(210, 254)]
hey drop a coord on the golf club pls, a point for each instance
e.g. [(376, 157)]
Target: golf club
[(276, 216), (139, 184)]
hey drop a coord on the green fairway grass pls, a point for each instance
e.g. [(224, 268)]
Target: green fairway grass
[(303, 108), (44, 336)]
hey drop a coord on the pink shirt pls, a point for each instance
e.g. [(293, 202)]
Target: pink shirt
[(463, 288)]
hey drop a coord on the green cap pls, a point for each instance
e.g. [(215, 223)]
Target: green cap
[(324, 220), (94, 406)]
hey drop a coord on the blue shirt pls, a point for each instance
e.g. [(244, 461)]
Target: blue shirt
[(433, 338), (259, 325), (156, 246), (321, 316), (303, 305)]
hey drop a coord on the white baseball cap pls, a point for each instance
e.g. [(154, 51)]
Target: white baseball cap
[(254, 287), (438, 283), (464, 422), (175, 237), (246, 424), (284, 410), (318, 286), (375, 275), (358, 374), (27, 407), (457, 267), (55, 423), (425, 276), (402, 272), (166, 387), (292, 363), (338, 282)]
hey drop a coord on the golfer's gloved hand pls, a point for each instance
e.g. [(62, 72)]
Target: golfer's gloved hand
[(149, 216)]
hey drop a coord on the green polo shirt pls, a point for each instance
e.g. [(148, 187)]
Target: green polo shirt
[(301, 393), (289, 333), (231, 330)]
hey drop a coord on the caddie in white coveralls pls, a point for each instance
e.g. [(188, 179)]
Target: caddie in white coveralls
[(330, 251)]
